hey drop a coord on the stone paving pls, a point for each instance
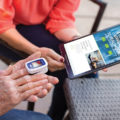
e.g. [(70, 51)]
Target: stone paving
[(84, 19)]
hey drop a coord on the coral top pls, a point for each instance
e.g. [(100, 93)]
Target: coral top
[(56, 14)]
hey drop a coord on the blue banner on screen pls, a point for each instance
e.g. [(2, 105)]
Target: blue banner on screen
[(109, 44)]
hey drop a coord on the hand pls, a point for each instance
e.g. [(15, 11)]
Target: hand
[(105, 69), (55, 61), (67, 34), (16, 87), (46, 88)]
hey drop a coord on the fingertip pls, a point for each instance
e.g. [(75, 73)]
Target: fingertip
[(62, 60), (44, 92), (105, 70), (53, 80), (56, 81), (33, 98), (49, 86)]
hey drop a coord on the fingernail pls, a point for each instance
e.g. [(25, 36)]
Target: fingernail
[(62, 60), (57, 81), (44, 91)]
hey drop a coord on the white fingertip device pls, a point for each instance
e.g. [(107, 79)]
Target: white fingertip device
[(39, 65)]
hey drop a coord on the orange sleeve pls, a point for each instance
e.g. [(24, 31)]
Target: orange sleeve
[(62, 16), (6, 15)]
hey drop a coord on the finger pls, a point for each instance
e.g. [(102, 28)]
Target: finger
[(33, 98), (17, 66), (33, 56), (30, 78), (19, 73), (30, 92), (105, 70), (56, 56), (55, 65), (42, 93), (6, 72), (32, 85), (45, 91), (53, 80), (21, 64), (48, 87)]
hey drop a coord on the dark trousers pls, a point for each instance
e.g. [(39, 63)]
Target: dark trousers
[(39, 36)]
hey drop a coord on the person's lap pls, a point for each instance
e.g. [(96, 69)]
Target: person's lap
[(24, 115)]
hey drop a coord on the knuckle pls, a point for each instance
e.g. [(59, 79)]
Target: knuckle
[(27, 78), (41, 76), (21, 72), (50, 50), (17, 65), (30, 85)]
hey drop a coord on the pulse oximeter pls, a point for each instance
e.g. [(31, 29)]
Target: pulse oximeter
[(39, 65)]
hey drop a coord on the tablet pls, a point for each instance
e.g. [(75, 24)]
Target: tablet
[(92, 52)]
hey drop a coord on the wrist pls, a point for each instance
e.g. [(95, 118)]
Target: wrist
[(33, 50), (67, 34)]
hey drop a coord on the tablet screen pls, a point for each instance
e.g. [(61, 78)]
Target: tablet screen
[(94, 51)]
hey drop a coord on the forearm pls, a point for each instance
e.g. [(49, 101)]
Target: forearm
[(67, 34), (17, 41)]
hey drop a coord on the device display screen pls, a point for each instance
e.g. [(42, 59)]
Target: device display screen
[(35, 64), (94, 51)]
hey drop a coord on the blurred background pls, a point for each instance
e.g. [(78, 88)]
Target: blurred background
[(85, 17)]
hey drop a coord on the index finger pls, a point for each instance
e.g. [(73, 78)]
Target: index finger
[(56, 56), (21, 64)]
